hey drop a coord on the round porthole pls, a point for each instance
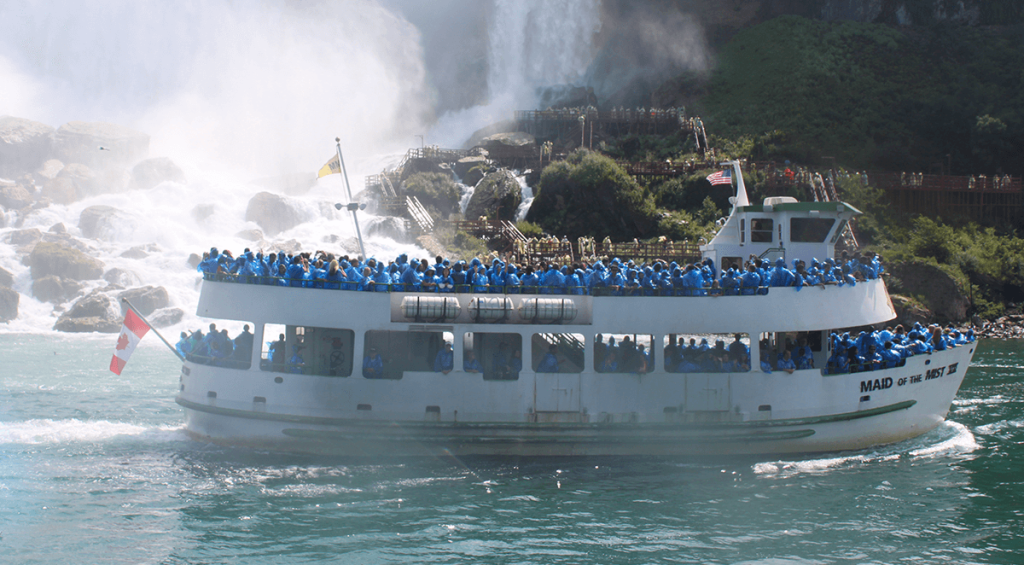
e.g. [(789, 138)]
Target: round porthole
[(278, 380), (927, 361)]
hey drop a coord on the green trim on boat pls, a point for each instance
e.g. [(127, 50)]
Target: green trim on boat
[(745, 437)]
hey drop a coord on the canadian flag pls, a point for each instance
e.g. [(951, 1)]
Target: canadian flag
[(131, 332)]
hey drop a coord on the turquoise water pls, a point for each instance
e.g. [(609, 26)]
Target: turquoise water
[(94, 468)]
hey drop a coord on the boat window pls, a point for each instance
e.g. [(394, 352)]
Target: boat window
[(761, 230), (231, 347), (810, 230), (707, 353), (500, 355), (404, 351), (306, 350), (557, 353), (728, 262), (623, 353), (839, 232), (805, 348)]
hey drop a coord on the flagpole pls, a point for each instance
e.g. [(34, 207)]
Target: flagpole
[(351, 205), (141, 317)]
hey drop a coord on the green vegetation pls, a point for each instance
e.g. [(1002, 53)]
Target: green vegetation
[(436, 191)]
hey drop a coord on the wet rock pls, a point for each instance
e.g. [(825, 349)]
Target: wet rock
[(510, 145), (26, 237), (54, 289), (387, 226), (152, 172), (941, 293), (6, 278), (463, 165), (476, 174), (9, 300), (80, 142), (203, 211), (414, 166), (48, 170), (479, 135), (96, 312), (24, 145), (59, 259), (194, 260), (141, 251), (60, 190), (58, 228), (147, 299), (15, 197), (122, 278), (497, 196), (102, 222), (273, 213), (84, 180), (166, 317), (250, 235)]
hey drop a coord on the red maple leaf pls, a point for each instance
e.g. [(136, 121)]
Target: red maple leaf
[(122, 342)]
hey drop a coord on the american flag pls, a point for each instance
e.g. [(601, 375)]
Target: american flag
[(721, 177)]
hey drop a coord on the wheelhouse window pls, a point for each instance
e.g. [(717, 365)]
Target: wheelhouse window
[(803, 349), (222, 344), (623, 353), (761, 230), (498, 356), (557, 353), (401, 352), (810, 230), (307, 350), (707, 353)]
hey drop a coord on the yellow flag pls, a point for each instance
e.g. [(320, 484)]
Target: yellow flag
[(332, 167)]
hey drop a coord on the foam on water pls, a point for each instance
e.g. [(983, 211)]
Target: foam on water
[(35, 432)]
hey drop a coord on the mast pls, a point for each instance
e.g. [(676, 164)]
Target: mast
[(352, 206), (741, 189)]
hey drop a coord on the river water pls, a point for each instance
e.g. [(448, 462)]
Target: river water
[(95, 468)]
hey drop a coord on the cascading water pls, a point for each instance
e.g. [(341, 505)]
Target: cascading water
[(524, 206), (233, 93)]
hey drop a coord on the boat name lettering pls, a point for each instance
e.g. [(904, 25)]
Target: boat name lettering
[(882, 384), (877, 384)]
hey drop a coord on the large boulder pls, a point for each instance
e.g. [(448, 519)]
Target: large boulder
[(122, 278), (941, 293), (15, 197), (51, 258), (152, 172), (61, 190), (166, 317), (24, 145), (463, 165), (146, 299), (102, 222), (6, 278), (273, 213), (96, 312), (416, 166), (23, 238), (54, 289), (497, 196), (9, 299), (49, 170), (510, 145), (80, 142), (386, 226), (85, 180)]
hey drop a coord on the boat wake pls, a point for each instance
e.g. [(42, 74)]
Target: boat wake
[(43, 432), (953, 438)]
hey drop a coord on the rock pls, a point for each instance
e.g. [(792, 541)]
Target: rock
[(510, 145), (497, 196), (96, 312), (193, 260), (152, 172), (85, 181), (6, 278), (58, 228), (147, 299), (24, 145), (9, 299), (26, 237), (478, 136), (414, 166), (15, 197), (941, 292), (49, 170), (293, 184), (909, 311), (476, 174), (166, 317), (390, 227), (141, 251), (273, 213), (80, 142), (250, 235), (123, 278), (52, 288), (102, 222), (463, 165), (203, 211), (60, 190), (58, 259)]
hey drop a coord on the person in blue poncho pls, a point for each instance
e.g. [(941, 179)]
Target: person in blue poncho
[(444, 362), (470, 364), (786, 363), (549, 363), (296, 364), (373, 365)]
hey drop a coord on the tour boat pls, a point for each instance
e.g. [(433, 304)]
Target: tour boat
[(325, 404)]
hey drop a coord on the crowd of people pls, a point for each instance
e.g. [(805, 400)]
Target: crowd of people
[(603, 277), (216, 347), (884, 349)]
